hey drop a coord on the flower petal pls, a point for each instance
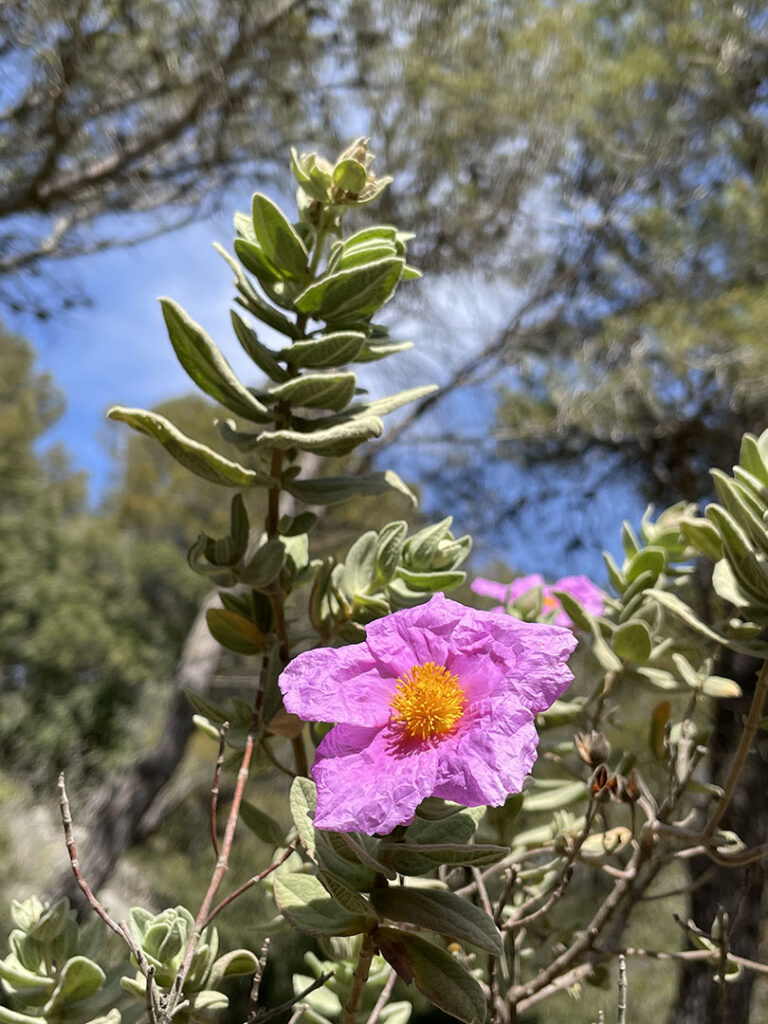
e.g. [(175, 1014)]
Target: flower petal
[(490, 588), (338, 685), (414, 636), (585, 592), (535, 655), (370, 780), (523, 584), (489, 756)]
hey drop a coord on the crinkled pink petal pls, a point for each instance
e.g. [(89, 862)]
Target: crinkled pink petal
[(341, 684), (414, 636), (585, 592), (370, 780), (523, 584), (490, 588), (524, 659), (489, 755)]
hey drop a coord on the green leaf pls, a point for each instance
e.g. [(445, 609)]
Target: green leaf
[(601, 650), (703, 536), (629, 541), (338, 440), (431, 581), (720, 687), (306, 905), (389, 547), (739, 552), (358, 571), (746, 510), (12, 1017), (418, 858), (80, 978), (436, 974), (261, 824), (250, 299), (207, 366), (238, 962), (350, 294), (730, 589), (19, 977), (196, 457), (650, 559), (265, 566), (262, 356), (365, 254), (317, 390), (632, 641), (329, 350), (572, 609), (278, 238), (614, 574), (352, 847), (442, 912), (331, 490), (303, 801), (234, 632), (51, 922), (372, 351), (750, 457), (350, 175), (382, 406), (420, 549), (682, 611), (347, 897)]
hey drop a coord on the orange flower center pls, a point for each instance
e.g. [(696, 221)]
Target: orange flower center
[(428, 701), (549, 603)]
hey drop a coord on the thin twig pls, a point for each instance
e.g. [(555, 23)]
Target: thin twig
[(118, 929), (263, 1016), (367, 949), (250, 883), (555, 896), (383, 999), (751, 727), (258, 974), (697, 954), (722, 963), (621, 1017), (215, 788), (221, 866)]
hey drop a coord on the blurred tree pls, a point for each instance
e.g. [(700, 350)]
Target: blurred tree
[(87, 615), (121, 119)]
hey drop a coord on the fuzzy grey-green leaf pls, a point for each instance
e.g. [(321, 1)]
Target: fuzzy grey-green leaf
[(308, 907), (351, 294), (196, 457), (329, 350), (278, 238), (317, 390), (331, 490), (207, 367)]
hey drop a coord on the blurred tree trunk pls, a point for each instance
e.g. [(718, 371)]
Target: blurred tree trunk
[(117, 809), (738, 891)]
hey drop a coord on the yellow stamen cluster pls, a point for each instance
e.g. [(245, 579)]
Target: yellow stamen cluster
[(428, 701)]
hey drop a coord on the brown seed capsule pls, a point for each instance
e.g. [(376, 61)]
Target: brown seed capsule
[(592, 747)]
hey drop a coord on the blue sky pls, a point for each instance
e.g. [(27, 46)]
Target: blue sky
[(116, 352)]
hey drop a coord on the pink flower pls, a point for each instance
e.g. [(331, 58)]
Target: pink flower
[(437, 701), (580, 587)]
